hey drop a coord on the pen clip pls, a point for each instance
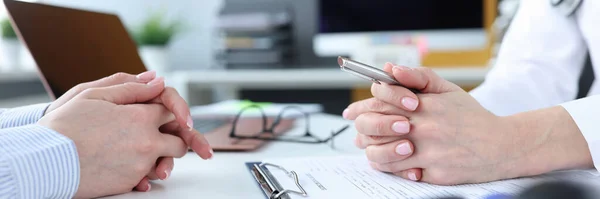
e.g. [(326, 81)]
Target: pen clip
[(360, 75)]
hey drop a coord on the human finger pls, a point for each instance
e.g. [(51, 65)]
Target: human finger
[(196, 141), (157, 113), (121, 78), (171, 146), (413, 174), (363, 141), (423, 79), (164, 167), (171, 99), (396, 95), (144, 185), (193, 139), (390, 152), (127, 93), (152, 174), (372, 105), (116, 79), (377, 124)]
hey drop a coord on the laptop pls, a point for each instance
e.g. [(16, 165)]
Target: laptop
[(72, 46)]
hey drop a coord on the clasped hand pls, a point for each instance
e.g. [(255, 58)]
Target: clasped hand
[(441, 136), (127, 129)]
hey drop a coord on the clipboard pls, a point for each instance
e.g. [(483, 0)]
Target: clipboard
[(270, 185)]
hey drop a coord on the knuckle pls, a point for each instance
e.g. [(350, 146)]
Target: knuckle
[(381, 127), (182, 151), (373, 139), (80, 87), (89, 91), (119, 77), (426, 70), (375, 105)]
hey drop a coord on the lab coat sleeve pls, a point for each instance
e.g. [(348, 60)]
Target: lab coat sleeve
[(585, 114), (539, 62)]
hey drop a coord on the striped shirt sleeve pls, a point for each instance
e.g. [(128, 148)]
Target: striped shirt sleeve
[(22, 115), (37, 162)]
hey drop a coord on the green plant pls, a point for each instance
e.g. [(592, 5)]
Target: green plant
[(155, 31), (7, 30)]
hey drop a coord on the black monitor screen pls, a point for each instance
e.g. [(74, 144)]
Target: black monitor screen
[(338, 16)]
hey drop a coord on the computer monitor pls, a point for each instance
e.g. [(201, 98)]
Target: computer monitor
[(345, 25)]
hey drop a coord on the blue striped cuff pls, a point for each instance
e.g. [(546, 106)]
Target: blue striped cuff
[(22, 115), (37, 162)]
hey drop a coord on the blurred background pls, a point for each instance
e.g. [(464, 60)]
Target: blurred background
[(283, 50)]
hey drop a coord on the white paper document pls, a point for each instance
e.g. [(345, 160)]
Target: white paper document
[(352, 177), (233, 107)]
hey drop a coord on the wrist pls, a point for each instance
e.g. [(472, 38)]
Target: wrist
[(548, 140)]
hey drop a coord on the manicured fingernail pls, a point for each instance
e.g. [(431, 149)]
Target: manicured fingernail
[(211, 154), (410, 103), (146, 76), (399, 67), (345, 114), (149, 187), (156, 81), (403, 149), (190, 123), (167, 173), (401, 127), (412, 176)]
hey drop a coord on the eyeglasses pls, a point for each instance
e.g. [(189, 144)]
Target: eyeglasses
[(270, 132)]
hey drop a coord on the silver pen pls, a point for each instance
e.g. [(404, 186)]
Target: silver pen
[(367, 72)]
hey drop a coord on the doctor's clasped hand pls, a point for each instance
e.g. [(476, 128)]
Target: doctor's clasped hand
[(449, 138)]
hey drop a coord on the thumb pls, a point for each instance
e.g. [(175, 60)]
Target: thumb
[(127, 93), (422, 79)]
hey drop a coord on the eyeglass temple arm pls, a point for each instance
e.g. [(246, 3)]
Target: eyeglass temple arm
[(307, 123), (235, 120)]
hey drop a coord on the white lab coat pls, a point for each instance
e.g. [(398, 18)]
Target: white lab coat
[(539, 64)]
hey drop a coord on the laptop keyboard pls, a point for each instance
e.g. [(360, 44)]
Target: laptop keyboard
[(207, 125)]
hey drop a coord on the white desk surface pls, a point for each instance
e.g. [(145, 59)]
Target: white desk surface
[(226, 175), (307, 78)]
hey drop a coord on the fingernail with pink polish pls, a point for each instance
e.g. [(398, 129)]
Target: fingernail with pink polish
[(156, 81), (212, 153), (149, 187), (403, 149), (345, 114), (412, 176), (190, 123), (401, 127), (146, 76), (167, 173), (410, 103)]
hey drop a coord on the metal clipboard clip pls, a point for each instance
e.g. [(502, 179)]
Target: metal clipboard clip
[(271, 186)]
